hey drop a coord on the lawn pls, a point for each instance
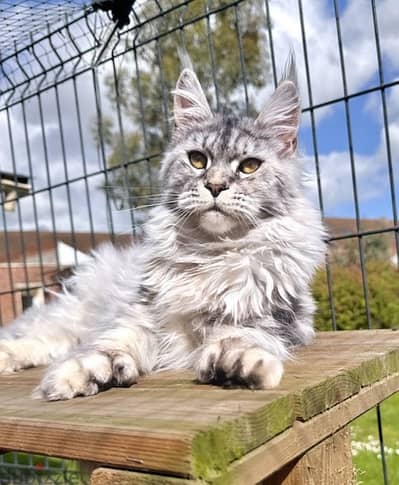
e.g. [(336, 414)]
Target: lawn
[(366, 446)]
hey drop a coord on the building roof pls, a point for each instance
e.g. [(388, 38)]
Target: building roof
[(338, 226), (27, 245), (18, 246)]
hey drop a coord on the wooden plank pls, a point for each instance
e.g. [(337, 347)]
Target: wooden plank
[(214, 449), (328, 463), (302, 436), (108, 476), (169, 424), (340, 371), (160, 429), (116, 446), (324, 392)]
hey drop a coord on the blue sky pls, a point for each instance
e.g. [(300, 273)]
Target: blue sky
[(367, 128)]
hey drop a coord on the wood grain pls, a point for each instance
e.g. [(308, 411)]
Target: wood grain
[(107, 476), (328, 463), (169, 424)]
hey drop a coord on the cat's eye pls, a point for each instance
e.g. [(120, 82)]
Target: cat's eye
[(250, 165), (197, 159)]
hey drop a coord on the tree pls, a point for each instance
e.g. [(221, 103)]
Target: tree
[(141, 96)]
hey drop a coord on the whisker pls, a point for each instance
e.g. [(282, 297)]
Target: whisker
[(147, 206), (154, 196)]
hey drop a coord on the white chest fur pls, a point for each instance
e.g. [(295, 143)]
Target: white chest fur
[(234, 285), (236, 280)]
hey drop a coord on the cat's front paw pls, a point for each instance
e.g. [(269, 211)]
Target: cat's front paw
[(231, 363), (85, 375), (76, 376)]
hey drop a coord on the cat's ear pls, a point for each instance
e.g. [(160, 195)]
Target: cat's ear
[(190, 104), (281, 114)]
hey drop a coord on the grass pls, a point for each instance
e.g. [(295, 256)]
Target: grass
[(366, 447)]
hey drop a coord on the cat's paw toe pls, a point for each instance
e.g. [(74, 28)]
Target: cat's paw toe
[(124, 370), (229, 364), (207, 365), (259, 369), (78, 376)]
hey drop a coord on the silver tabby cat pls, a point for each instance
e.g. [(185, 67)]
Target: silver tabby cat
[(220, 283)]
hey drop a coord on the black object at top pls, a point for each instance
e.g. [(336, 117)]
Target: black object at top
[(120, 10)]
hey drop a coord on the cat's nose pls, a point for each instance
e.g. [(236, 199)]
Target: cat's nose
[(215, 189)]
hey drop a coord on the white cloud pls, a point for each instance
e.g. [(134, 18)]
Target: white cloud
[(360, 56), (58, 202), (337, 182), (359, 48)]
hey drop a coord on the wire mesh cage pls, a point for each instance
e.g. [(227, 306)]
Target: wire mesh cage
[(23, 468), (85, 114)]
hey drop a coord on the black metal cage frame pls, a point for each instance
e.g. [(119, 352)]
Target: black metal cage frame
[(53, 53)]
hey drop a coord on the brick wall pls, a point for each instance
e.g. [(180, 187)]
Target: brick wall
[(19, 278)]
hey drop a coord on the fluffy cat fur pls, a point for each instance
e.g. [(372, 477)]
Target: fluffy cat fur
[(220, 283)]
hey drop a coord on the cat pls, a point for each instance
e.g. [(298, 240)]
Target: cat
[(220, 283)]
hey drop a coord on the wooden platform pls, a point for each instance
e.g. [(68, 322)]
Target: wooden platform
[(168, 429)]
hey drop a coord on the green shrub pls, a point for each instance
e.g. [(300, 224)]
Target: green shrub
[(349, 301)]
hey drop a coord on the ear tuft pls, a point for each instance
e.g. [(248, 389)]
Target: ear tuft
[(190, 104), (281, 115)]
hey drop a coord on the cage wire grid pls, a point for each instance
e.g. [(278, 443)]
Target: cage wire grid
[(23, 20), (53, 53)]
